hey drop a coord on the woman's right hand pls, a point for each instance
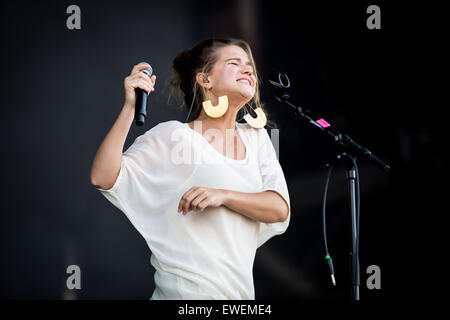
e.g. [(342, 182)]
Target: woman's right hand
[(137, 79)]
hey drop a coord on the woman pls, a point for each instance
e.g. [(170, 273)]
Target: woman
[(203, 205)]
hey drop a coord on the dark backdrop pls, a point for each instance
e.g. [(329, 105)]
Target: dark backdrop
[(63, 89)]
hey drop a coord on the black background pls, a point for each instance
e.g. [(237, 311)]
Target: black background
[(63, 89)]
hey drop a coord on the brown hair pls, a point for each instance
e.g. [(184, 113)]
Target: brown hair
[(201, 58)]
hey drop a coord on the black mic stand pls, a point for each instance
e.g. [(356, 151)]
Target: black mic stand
[(353, 150), (352, 180), (354, 200)]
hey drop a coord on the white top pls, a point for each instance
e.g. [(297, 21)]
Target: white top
[(202, 255)]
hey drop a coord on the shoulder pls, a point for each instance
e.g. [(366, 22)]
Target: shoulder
[(164, 129), (165, 135), (161, 134), (166, 126)]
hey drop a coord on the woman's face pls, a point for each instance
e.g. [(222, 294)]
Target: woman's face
[(233, 75)]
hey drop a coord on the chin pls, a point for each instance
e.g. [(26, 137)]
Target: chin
[(247, 95), (241, 96)]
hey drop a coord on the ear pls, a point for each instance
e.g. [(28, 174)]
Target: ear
[(203, 80)]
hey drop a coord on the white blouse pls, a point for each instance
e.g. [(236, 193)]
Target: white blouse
[(202, 255)]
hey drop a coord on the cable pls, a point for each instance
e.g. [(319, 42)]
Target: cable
[(190, 109), (324, 226)]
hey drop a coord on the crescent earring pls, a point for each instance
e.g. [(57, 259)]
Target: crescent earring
[(258, 122), (216, 111)]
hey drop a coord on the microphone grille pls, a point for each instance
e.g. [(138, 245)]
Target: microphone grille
[(147, 71)]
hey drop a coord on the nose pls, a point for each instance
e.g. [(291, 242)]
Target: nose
[(247, 70)]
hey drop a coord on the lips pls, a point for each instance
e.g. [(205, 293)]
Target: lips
[(248, 80)]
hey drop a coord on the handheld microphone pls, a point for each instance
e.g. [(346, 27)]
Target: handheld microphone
[(140, 113)]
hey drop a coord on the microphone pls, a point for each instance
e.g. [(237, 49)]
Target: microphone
[(140, 112), (281, 83), (279, 80)]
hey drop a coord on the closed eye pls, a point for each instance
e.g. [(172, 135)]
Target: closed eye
[(236, 64)]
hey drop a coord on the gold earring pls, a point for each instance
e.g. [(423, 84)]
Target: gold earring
[(216, 111), (258, 122)]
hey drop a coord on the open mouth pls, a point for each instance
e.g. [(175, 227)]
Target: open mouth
[(245, 81)]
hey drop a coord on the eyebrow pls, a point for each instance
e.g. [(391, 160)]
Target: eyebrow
[(248, 62)]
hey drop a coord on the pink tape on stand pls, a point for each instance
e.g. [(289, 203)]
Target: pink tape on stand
[(323, 123)]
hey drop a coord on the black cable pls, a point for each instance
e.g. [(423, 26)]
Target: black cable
[(324, 226)]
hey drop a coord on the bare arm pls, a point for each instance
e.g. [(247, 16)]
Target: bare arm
[(267, 206), (108, 159)]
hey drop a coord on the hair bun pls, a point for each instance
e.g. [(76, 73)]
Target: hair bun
[(184, 62)]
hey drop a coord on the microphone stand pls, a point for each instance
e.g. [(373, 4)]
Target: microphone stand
[(352, 150)]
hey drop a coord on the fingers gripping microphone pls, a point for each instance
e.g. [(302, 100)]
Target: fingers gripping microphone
[(140, 113)]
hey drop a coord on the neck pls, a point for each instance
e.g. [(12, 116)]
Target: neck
[(226, 121)]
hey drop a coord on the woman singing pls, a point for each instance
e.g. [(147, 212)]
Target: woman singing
[(204, 194)]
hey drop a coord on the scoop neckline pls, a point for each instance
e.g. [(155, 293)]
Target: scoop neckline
[(244, 141)]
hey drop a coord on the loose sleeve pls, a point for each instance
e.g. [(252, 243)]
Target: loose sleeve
[(135, 160), (148, 176), (273, 179)]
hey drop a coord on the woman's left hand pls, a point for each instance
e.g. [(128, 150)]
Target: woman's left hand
[(198, 198)]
